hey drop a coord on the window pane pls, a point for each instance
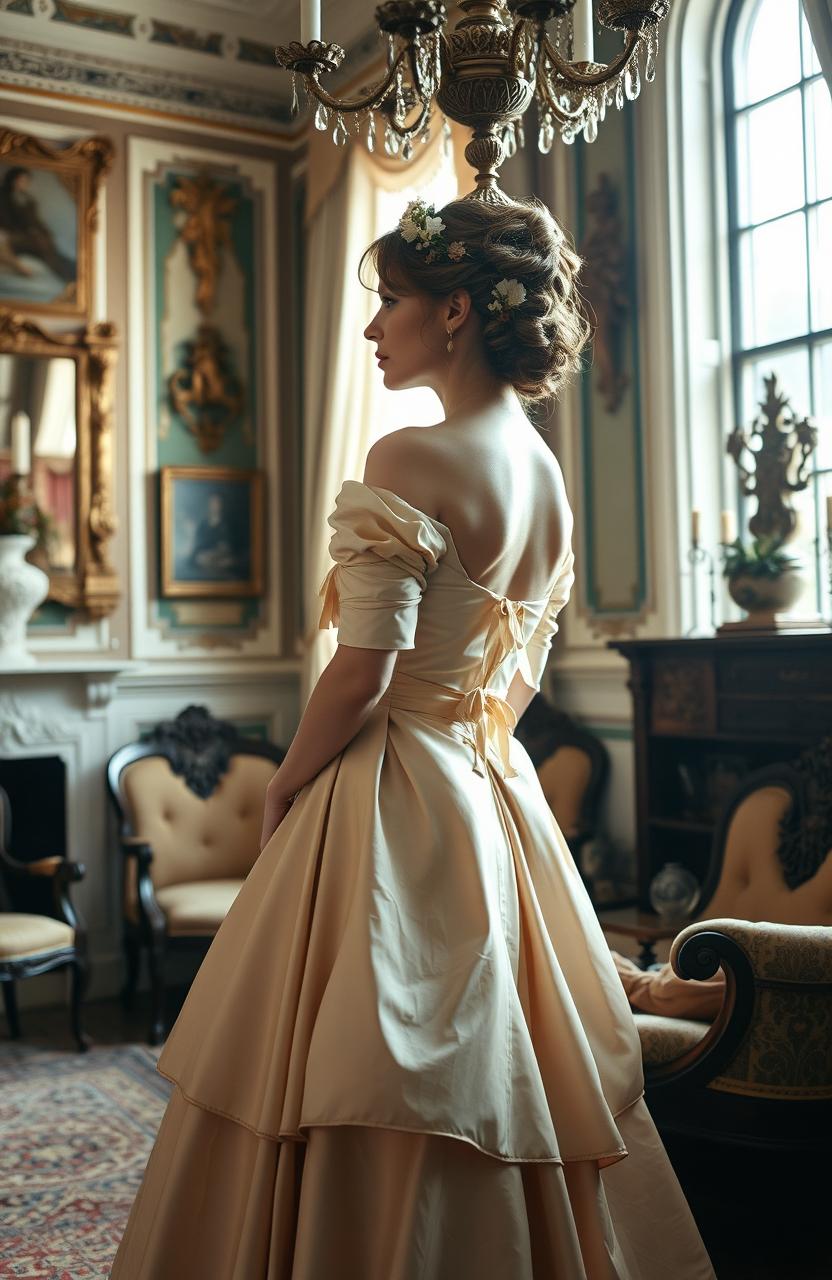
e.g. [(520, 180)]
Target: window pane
[(823, 405), (773, 267), (820, 265), (818, 145), (770, 159), (792, 368), (769, 58), (811, 66)]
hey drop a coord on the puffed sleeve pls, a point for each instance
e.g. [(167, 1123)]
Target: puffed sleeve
[(384, 551), (537, 649)]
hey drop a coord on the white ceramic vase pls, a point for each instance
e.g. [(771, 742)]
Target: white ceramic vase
[(22, 588)]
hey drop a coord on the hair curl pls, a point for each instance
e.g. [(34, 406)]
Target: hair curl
[(535, 347)]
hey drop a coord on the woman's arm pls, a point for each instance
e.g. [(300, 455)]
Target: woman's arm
[(518, 694), (348, 690)]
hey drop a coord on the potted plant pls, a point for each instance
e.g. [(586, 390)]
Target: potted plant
[(761, 577), (23, 586)]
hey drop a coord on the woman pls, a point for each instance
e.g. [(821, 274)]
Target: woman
[(407, 1054)]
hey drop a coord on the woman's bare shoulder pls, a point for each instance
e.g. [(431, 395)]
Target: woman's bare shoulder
[(402, 462)]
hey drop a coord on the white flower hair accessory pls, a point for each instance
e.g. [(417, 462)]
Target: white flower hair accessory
[(421, 226), (507, 295)]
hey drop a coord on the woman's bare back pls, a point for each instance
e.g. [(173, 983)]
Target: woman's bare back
[(498, 488)]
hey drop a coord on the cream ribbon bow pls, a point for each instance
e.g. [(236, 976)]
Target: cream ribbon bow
[(506, 634), (491, 720), (328, 594)]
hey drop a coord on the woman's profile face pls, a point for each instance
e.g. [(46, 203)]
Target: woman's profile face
[(409, 336)]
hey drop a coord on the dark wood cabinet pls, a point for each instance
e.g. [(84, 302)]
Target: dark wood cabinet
[(707, 711)]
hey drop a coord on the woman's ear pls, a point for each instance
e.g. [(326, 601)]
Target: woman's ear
[(459, 305)]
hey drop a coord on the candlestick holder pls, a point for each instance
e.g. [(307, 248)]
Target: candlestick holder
[(698, 555)]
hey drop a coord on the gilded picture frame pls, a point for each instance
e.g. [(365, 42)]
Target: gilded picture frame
[(48, 215), (211, 532), (90, 581)]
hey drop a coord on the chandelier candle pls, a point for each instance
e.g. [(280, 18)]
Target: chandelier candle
[(310, 20), (583, 49)]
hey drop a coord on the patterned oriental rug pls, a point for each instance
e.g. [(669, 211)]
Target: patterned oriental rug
[(75, 1134)]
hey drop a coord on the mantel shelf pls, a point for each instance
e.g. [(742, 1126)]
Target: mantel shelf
[(81, 667)]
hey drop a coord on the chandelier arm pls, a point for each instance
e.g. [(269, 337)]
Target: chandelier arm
[(562, 114), (371, 99), (514, 48), (410, 130), (578, 79)]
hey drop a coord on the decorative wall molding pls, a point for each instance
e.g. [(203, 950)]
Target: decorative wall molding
[(78, 74), (219, 67)]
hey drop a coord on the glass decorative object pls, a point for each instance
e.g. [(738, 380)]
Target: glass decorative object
[(674, 892)]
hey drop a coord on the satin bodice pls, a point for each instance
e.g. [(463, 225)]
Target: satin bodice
[(398, 583)]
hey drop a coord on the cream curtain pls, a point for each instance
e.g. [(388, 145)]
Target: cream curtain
[(350, 197)]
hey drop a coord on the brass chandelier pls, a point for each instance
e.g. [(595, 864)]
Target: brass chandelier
[(485, 73)]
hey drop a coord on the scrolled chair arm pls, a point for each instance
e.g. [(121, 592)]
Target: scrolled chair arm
[(150, 912), (776, 952), (137, 847), (757, 958)]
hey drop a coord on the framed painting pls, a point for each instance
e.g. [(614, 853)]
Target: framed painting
[(48, 213), (211, 531)]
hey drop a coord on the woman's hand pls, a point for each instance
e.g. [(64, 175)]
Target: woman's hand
[(276, 807)]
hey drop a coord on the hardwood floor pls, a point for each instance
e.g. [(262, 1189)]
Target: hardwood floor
[(762, 1217)]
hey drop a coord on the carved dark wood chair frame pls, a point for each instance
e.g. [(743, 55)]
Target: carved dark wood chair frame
[(542, 730), (61, 872), (151, 931), (677, 1091)]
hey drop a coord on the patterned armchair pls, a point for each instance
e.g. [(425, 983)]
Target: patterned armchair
[(761, 1072), (40, 929), (572, 765), (189, 798)]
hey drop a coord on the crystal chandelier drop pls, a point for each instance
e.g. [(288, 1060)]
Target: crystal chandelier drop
[(485, 73)]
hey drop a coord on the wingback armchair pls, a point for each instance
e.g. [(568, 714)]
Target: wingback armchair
[(40, 929), (573, 767), (761, 1072), (189, 798)]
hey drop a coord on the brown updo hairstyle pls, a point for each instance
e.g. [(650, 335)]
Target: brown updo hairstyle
[(535, 347)]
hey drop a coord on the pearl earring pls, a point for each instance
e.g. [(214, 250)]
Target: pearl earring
[(450, 345)]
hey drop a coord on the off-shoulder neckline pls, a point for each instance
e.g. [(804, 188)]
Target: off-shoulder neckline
[(451, 545)]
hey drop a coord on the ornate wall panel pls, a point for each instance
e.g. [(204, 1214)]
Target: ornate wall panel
[(203, 374), (615, 589)]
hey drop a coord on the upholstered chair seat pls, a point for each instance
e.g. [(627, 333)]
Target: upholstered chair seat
[(198, 906), (663, 1039), (190, 799), (23, 935)]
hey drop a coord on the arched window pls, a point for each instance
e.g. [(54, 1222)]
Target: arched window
[(778, 116)]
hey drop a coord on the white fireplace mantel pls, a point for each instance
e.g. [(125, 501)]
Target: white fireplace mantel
[(99, 677)]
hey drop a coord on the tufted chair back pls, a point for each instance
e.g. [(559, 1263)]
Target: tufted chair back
[(189, 798), (215, 837), (750, 880), (572, 765), (564, 778)]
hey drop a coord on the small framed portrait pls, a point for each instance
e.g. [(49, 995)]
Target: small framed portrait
[(47, 217), (211, 531)]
